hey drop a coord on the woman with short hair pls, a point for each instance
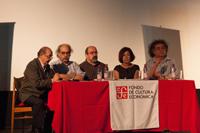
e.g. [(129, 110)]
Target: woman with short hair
[(126, 70)]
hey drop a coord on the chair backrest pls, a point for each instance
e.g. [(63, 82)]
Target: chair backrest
[(16, 86), (18, 82), (17, 106)]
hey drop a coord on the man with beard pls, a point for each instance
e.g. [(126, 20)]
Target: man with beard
[(91, 65), (68, 70)]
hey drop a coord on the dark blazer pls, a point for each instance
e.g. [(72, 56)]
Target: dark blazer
[(35, 82)]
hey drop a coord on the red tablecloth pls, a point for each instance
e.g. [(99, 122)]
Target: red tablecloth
[(83, 107)]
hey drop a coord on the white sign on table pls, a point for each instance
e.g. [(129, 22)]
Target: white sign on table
[(134, 104)]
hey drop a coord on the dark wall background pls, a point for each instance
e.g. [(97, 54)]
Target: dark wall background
[(6, 39)]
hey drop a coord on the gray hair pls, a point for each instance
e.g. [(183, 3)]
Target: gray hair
[(65, 45)]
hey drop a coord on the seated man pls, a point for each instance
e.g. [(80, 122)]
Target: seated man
[(91, 65), (37, 81), (67, 69)]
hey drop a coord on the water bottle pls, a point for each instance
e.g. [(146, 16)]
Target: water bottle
[(173, 75), (145, 72), (106, 72), (99, 73), (181, 74), (139, 75)]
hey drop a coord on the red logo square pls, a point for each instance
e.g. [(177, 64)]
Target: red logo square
[(121, 92)]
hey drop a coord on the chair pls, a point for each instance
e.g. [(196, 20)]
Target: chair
[(18, 107)]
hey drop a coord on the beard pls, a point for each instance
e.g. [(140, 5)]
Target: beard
[(94, 59), (65, 60)]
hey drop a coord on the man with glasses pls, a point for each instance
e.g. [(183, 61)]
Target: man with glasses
[(68, 70), (38, 77), (91, 65)]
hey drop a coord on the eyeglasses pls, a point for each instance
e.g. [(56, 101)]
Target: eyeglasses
[(95, 52), (48, 56), (67, 53)]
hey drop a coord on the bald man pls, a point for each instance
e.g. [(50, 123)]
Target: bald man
[(91, 64)]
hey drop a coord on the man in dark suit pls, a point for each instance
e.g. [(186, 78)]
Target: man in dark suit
[(38, 77)]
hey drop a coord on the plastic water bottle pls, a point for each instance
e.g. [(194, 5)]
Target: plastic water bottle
[(173, 75), (145, 72), (181, 74), (99, 73), (139, 75), (106, 72)]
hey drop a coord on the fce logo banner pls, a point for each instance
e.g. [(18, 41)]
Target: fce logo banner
[(134, 104)]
